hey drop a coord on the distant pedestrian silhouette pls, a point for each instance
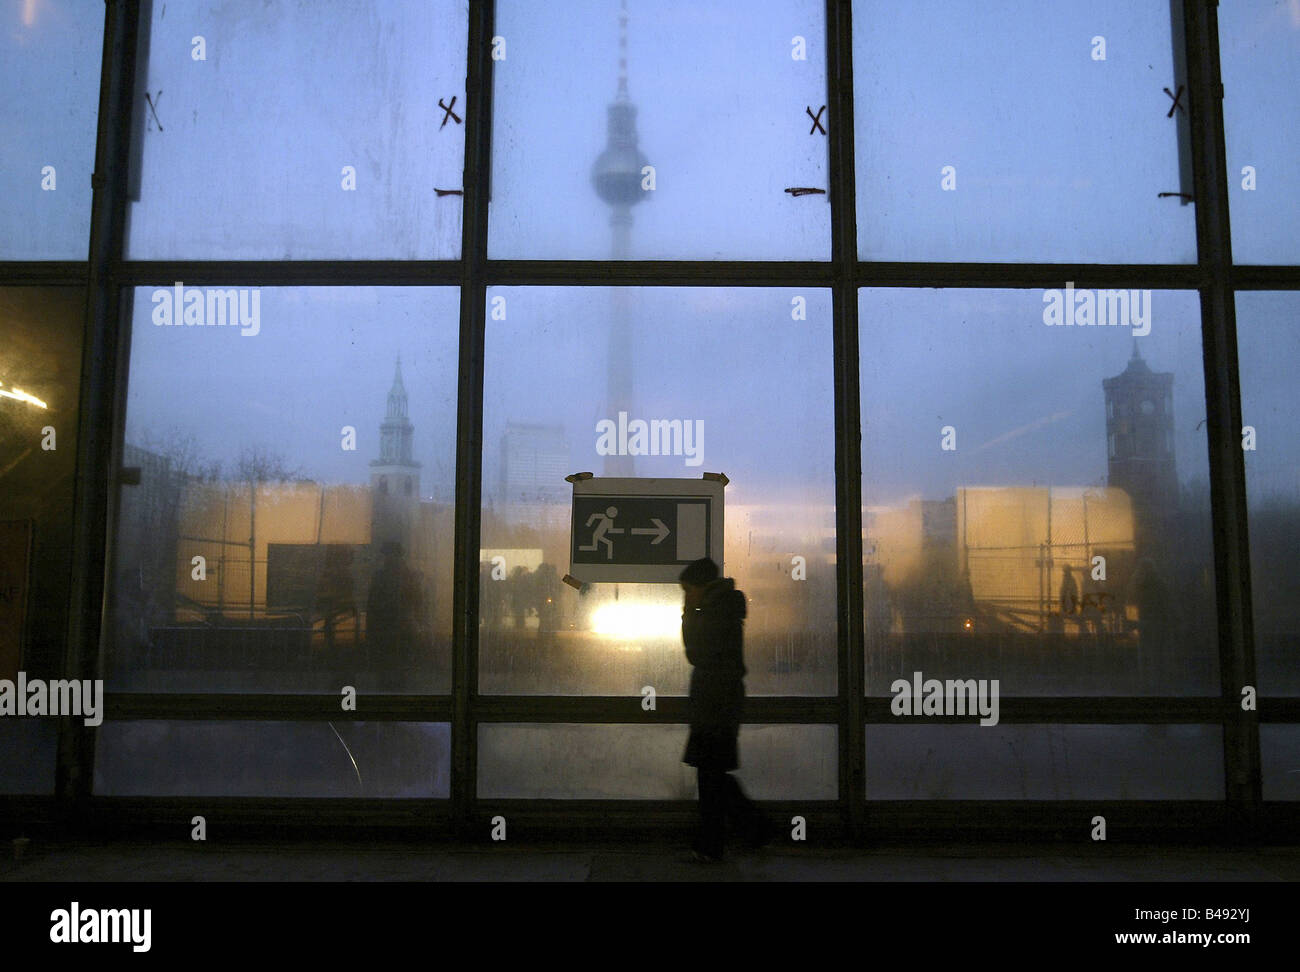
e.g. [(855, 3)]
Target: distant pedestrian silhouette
[(713, 621), (1069, 593)]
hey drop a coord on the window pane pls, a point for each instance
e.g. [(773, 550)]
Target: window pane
[(291, 528), (27, 753), (752, 390), (49, 67), (1031, 762), (1054, 155), (280, 759), (1002, 458), (566, 761), (1268, 347), (40, 369), (1279, 752), (1260, 56), (720, 103), (304, 133)]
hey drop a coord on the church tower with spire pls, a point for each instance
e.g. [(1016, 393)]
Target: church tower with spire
[(395, 475), (1140, 442)]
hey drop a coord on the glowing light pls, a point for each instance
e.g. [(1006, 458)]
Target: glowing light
[(969, 625), (29, 12), (632, 621), (19, 395)]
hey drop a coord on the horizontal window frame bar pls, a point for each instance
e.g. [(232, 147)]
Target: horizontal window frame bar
[(1254, 277), (654, 273), (268, 707), (44, 273), (650, 273), (288, 273), (626, 710), (1031, 276)]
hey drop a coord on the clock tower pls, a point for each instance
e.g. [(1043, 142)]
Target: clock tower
[(395, 476), (1140, 443)]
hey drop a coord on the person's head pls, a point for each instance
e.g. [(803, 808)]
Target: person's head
[(697, 575)]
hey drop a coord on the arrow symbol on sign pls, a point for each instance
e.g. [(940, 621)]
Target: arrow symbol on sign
[(661, 531)]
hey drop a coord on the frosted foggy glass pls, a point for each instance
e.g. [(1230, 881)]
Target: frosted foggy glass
[(734, 364), (1268, 347), (1279, 753), (290, 473), (248, 155), (49, 71), (1259, 54), (274, 759), (1038, 762), (966, 548), (40, 372), (724, 114), (28, 748), (1056, 156), (566, 761)]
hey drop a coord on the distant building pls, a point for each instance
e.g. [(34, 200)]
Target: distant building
[(1140, 443), (395, 475), (532, 490)]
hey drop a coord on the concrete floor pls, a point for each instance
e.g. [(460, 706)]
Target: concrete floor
[(183, 861)]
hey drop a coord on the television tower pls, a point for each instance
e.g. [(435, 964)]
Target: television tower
[(617, 176)]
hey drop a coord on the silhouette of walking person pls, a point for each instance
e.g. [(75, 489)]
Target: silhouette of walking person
[(713, 621)]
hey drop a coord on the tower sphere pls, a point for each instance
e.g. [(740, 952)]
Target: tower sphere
[(616, 173)]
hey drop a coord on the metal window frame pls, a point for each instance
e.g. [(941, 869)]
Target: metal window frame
[(108, 278)]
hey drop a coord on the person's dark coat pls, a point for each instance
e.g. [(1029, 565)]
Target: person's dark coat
[(714, 638)]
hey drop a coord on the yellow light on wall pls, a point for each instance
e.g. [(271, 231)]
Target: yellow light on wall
[(19, 395)]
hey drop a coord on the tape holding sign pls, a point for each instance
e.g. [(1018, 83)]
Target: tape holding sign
[(643, 530)]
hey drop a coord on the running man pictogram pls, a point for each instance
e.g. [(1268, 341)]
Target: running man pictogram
[(605, 526)]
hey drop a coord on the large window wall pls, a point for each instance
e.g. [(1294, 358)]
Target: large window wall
[(947, 293)]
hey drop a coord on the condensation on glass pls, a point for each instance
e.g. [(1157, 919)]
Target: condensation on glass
[(49, 70), (271, 132), (1036, 503), (673, 132), (1279, 754), (570, 761), (285, 521), (1044, 762), (744, 378), (40, 369), (1259, 51), (1268, 347), (408, 760), (1019, 132)]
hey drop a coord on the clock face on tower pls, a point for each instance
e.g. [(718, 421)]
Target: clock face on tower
[(1148, 407)]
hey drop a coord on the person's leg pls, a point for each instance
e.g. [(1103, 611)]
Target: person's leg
[(713, 811), (749, 820)]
